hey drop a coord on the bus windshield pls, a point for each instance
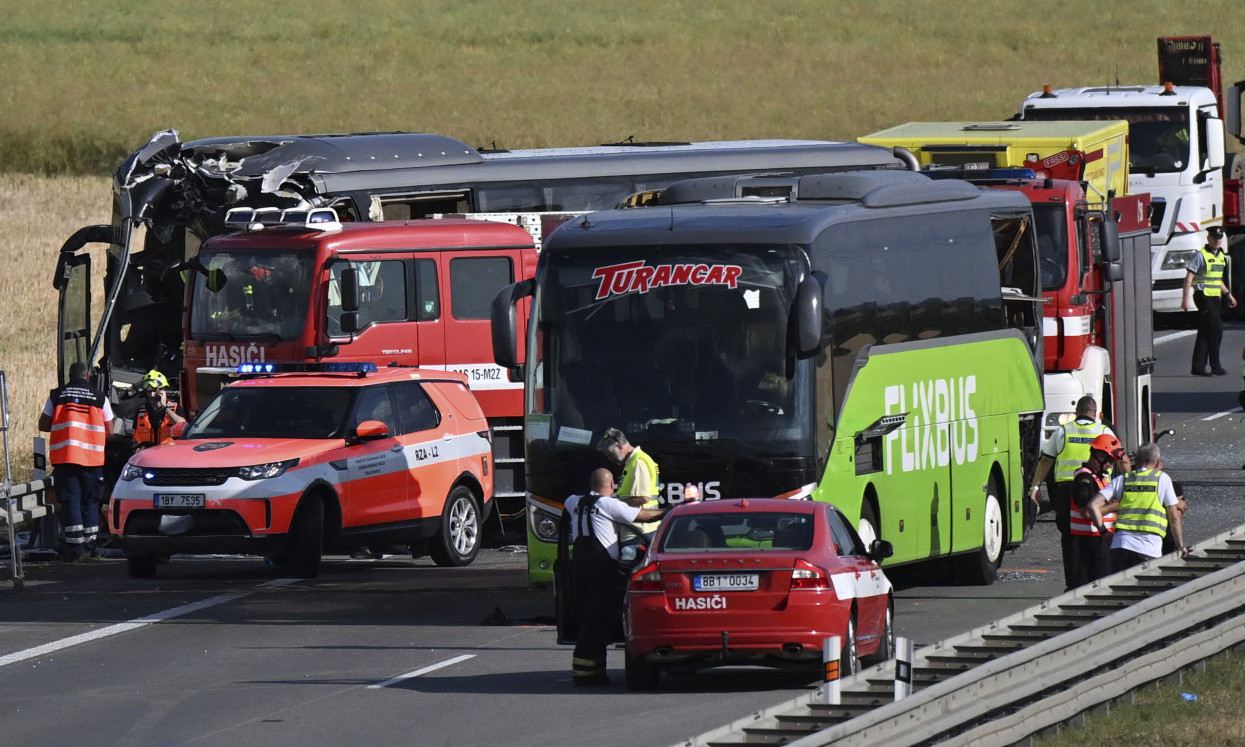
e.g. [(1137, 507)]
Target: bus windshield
[(682, 347), (253, 295), (1158, 139)]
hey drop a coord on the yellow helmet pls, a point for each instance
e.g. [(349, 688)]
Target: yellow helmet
[(154, 380)]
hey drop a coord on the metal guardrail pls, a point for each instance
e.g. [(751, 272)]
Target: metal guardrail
[(1027, 673), (27, 502)]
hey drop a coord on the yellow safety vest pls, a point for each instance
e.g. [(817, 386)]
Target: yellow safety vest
[(627, 487), (1140, 508), (1077, 437), (1209, 280)]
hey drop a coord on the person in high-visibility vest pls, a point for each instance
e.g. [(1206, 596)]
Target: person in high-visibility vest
[(1093, 548), (1145, 505), (78, 419), (1065, 451), (1205, 290), (156, 416), (639, 485)]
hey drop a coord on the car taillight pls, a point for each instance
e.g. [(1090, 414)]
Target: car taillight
[(805, 575), (647, 578)]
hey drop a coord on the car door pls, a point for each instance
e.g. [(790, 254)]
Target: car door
[(376, 487), (427, 448), (865, 576)]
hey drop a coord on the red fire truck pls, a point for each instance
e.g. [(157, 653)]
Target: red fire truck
[(302, 286)]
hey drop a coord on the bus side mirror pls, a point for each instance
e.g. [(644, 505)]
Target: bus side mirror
[(1112, 272), (808, 316), (350, 289), (504, 317), (349, 322)]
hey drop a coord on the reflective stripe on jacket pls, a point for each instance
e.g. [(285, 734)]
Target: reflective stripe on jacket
[(143, 430), (1079, 524), (1077, 436), (78, 434), (1140, 508), (1209, 279)]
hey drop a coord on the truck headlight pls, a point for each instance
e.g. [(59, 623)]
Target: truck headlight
[(131, 472), (544, 523), (265, 471), (1176, 260)]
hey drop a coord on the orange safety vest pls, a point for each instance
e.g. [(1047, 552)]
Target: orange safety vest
[(1079, 524), (143, 430), (78, 426)]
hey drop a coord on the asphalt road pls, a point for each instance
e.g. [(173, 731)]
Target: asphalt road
[(221, 651)]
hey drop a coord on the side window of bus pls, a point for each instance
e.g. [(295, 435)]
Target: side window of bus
[(474, 281), (427, 295), (415, 410)]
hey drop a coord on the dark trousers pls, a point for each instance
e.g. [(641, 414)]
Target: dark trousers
[(597, 590), (1093, 554), (1209, 332), (1125, 559), (78, 490), (1061, 504)]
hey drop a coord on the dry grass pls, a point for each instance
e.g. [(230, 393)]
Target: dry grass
[(37, 215)]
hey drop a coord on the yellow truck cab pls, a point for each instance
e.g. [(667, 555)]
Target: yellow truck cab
[(1088, 151)]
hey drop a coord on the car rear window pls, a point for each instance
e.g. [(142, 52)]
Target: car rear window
[(761, 531)]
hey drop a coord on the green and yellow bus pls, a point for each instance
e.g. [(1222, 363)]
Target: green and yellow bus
[(872, 339)]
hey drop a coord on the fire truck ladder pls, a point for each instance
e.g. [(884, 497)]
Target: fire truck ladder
[(1032, 672)]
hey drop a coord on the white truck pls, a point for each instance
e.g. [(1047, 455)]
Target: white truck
[(1178, 151)]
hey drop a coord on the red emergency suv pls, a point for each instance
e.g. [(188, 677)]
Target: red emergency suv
[(291, 465), (755, 581)]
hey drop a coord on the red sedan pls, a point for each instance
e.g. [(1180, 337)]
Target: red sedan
[(756, 581)]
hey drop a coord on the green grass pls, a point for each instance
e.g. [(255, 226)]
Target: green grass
[(87, 82), (1162, 716)]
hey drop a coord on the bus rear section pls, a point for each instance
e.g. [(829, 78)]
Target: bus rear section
[(409, 293), (846, 337)]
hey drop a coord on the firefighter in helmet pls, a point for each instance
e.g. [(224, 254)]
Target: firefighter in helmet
[(156, 416)]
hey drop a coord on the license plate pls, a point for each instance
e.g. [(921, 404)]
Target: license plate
[(726, 582), (180, 500)]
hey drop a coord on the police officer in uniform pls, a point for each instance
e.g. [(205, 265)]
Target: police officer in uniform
[(1145, 505), (1205, 289), (640, 482), (156, 416), (597, 586), (1067, 450), (78, 418)]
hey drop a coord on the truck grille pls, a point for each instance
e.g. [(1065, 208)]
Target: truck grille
[(189, 476)]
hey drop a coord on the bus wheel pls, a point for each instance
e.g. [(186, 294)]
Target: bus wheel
[(868, 529), (458, 540), (306, 542), (980, 566)]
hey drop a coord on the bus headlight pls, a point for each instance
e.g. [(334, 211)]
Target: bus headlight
[(1176, 260), (544, 523)]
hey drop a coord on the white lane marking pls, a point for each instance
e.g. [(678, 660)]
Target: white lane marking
[(425, 670), (1175, 336), (129, 625), (1218, 415)]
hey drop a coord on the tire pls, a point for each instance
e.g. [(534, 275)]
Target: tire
[(868, 528), (886, 647), (642, 675), (458, 540), (306, 544), (142, 566), (980, 566), (849, 661)]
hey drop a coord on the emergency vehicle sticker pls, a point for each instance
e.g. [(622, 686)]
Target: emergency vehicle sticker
[(637, 277), (715, 602)]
